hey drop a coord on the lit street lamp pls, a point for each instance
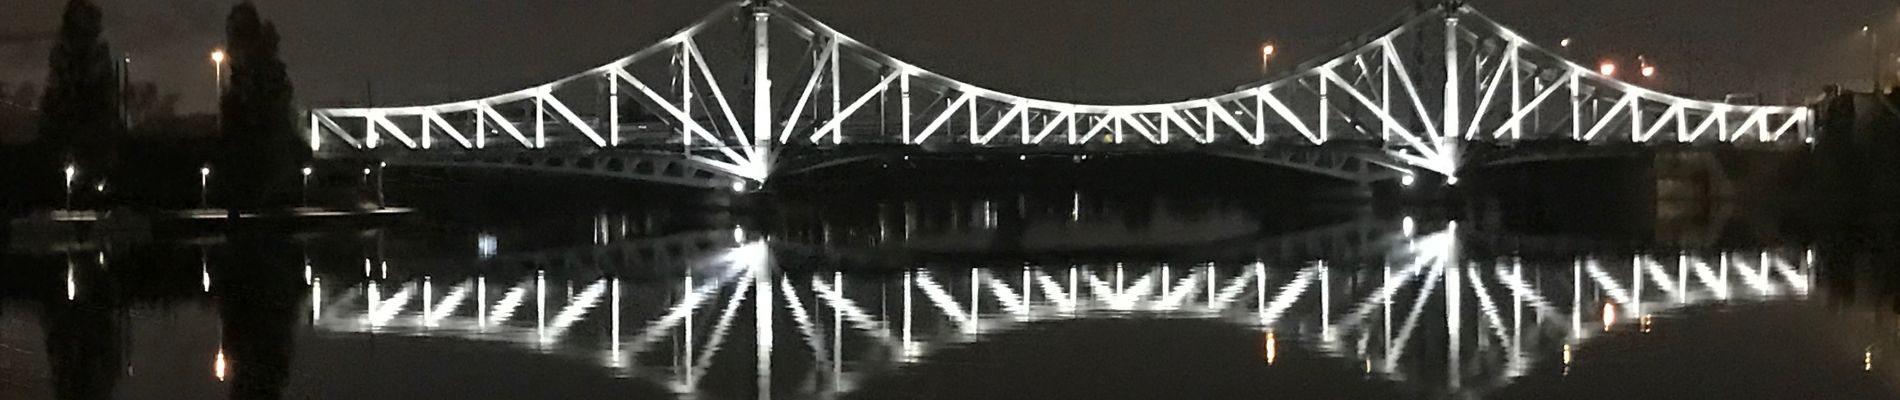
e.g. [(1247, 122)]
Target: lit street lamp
[(1873, 53), (204, 179), (217, 83), (71, 172), (1267, 51), (1607, 69), (305, 193), (1648, 70)]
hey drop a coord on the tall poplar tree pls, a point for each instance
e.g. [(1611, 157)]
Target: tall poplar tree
[(261, 153), (80, 125)]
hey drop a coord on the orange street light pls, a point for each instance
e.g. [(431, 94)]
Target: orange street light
[(1267, 51)]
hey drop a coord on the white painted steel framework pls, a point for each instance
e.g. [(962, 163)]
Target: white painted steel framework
[(1409, 98)]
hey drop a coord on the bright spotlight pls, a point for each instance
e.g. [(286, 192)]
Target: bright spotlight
[(1607, 68), (1408, 180)]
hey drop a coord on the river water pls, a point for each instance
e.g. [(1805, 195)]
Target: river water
[(991, 295)]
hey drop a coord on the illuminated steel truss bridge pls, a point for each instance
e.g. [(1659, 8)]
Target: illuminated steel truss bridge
[(1492, 321), (1438, 92)]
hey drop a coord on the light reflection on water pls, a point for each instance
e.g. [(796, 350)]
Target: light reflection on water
[(1406, 307)]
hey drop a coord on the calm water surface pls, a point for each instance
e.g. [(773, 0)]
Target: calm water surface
[(1030, 296)]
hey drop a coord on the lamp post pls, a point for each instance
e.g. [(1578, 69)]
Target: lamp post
[(1873, 54), (1267, 51), (304, 194), (204, 180), (381, 201), (71, 172), (217, 83)]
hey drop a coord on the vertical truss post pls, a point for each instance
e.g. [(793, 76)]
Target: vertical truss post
[(1325, 111), (1259, 119), (1071, 122), (1517, 91), (613, 110), (374, 137), (1576, 106), (686, 97), (1385, 97), (838, 136), (481, 126), (1636, 121), (1022, 126), (972, 113), (1452, 113), (1721, 126), (540, 125), (1167, 128), (316, 141), (903, 87), (428, 132), (761, 83)]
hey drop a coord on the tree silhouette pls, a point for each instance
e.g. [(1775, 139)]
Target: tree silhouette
[(259, 150), (79, 121)]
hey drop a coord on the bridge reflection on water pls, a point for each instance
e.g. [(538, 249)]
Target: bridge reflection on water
[(1401, 302), (1500, 317)]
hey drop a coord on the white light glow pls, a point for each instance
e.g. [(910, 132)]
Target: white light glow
[(218, 366)]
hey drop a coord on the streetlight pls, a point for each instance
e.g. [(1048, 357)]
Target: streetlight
[(71, 172), (381, 201), (204, 180), (1648, 70), (1873, 53), (217, 83), (305, 193), (1565, 43), (1267, 51), (1608, 68)]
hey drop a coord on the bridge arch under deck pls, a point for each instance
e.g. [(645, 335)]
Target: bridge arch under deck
[(1496, 88)]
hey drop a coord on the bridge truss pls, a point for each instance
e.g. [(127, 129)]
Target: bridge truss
[(1412, 97)]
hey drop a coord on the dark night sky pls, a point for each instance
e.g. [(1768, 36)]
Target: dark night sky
[(1118, 51)]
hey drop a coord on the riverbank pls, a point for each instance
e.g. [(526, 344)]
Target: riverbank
[(66, 230)]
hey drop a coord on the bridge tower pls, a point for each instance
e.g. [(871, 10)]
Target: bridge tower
[(762, 124)]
